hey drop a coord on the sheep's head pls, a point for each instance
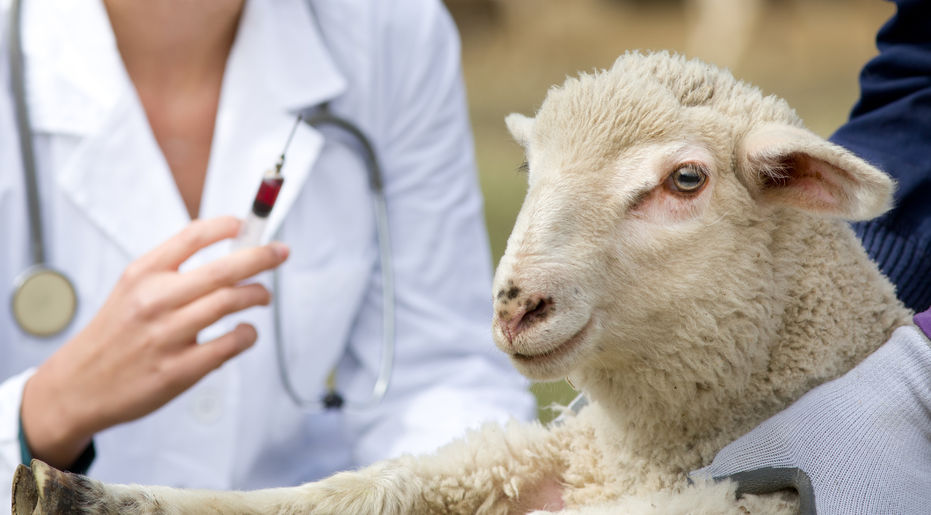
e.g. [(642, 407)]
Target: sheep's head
[(654, 188)]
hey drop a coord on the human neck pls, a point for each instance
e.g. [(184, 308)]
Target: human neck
[(175, 53), (172, 45)]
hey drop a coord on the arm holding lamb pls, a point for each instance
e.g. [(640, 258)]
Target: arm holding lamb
[(862, 439)]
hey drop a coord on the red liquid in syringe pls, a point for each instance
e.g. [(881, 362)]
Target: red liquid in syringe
[(266, 196), (253, 227)]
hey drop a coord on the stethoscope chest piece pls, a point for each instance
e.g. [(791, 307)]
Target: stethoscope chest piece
[(44, 301)]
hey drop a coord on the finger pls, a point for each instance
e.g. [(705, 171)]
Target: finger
[(767, 480), (228, 271), (195, 236), (201, 359), (197, 315)]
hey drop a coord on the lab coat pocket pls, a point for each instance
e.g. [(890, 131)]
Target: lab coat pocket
[(319, 305)]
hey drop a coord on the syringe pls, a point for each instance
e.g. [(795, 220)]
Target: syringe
[(253, 226)]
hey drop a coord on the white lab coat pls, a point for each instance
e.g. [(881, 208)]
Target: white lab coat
[(108, 197)]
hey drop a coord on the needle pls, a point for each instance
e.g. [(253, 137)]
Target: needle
[(287, 143)]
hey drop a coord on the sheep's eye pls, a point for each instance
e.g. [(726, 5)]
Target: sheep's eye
[(688, 178), (524, 168)]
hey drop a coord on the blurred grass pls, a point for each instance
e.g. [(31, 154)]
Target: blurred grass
[(806, 51)]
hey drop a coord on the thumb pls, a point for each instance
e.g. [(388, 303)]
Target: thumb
[(767, 480)]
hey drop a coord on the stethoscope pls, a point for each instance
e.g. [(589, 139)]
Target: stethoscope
[(44, 300)]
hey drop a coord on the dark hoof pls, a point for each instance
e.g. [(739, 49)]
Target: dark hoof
[(41, 489), (25, 491)]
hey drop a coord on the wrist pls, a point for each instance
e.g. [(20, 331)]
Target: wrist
[(49, 427)]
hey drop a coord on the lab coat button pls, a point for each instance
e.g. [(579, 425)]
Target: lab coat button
[(207, 408)]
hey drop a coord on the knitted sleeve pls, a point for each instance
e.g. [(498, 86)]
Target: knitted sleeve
[(890, 126)]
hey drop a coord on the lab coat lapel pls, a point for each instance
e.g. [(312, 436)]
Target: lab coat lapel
[(121, 181), (279, 66)]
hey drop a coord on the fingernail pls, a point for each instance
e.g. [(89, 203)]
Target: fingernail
[(280, 249), (248, 335)]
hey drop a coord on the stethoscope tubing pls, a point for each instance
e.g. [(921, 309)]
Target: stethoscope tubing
[(27, 150), (324, 117)]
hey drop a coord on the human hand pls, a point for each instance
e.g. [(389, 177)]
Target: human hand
[(140, 350), (862, 441)]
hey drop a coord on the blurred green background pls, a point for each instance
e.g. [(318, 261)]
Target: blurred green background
[(806, 51)]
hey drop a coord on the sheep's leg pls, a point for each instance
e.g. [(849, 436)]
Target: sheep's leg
[(496, 470), (42, 489), (493, 471)]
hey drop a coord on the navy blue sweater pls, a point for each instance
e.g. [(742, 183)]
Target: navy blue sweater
[(890, 126)]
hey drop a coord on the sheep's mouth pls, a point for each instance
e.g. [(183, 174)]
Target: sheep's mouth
[(556, 352)]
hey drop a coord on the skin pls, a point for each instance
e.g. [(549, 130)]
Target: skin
[(140, 350), (175, 53)]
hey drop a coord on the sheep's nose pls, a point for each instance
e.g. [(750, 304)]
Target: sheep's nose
[(515, 312)]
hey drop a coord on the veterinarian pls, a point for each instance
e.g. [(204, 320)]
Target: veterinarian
[(862, 443), (152, 124)]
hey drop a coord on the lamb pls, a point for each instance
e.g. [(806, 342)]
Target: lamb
[(682, 256)]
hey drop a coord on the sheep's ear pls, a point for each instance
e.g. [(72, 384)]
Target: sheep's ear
[(520, 127), (790, 166)]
